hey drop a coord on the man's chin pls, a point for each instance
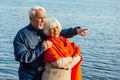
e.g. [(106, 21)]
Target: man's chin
[(40, 27)]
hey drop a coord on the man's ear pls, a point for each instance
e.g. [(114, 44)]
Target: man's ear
[(30, 18)]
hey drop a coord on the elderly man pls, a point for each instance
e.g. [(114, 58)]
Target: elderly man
[(29, 44)]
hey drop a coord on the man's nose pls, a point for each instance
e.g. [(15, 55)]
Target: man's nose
[(43, 20)]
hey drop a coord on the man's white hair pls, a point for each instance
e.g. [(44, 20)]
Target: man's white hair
[(51, 23), (32, 11)]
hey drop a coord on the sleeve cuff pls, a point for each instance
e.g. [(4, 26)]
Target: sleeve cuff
[(75, 29), (78, 27)]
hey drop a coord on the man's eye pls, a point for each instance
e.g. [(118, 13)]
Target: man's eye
[(51, 30)]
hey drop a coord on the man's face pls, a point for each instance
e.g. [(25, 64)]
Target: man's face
[(38, 20)]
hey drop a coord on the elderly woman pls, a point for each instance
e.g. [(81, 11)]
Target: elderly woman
[(62, 60)]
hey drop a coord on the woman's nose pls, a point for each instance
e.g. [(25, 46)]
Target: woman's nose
[(55, 30)]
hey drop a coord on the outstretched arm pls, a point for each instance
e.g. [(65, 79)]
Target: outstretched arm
[(68, 33)]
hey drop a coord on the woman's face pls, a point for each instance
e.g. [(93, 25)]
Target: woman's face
[(54, 32)]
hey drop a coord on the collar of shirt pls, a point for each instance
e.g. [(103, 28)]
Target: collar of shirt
[(33, 29)]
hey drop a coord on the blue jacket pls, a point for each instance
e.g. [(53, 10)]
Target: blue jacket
[(28, 51)]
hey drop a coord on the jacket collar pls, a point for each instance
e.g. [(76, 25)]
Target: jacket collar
[(31, 28)]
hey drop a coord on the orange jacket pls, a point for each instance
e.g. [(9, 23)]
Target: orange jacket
[(64, 48)]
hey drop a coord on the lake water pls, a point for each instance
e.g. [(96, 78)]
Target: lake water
[(100, 49)]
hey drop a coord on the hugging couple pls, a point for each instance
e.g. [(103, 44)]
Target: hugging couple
[(43, 50)]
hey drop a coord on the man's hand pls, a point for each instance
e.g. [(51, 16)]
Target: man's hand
[(46, 44), (82, 32)]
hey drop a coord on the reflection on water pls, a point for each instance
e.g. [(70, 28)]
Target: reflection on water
[(100, 49)]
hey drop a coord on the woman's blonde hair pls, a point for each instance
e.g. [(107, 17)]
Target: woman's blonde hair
[(51, 23)]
